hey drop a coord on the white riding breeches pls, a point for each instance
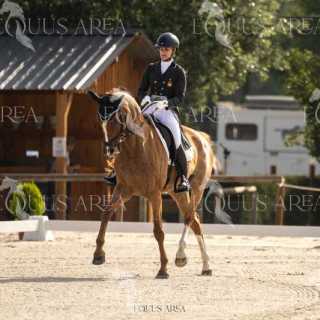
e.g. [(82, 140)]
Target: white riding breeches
[(167, 118)]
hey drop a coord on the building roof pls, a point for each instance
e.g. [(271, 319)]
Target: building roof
[(60, 62)]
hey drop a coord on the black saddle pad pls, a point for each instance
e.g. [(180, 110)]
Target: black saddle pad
[(168, 138)]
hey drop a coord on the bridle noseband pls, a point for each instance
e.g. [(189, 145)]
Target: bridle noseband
[(114, 143)]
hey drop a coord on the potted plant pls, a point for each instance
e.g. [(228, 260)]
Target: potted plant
[(26, 201)]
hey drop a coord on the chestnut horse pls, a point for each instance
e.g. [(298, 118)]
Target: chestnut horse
[(141, 166)]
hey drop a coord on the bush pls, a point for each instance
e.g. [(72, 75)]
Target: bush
[(26, 200)]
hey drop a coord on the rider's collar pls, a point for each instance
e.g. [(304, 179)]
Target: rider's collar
[(165, 65), (167, 61)]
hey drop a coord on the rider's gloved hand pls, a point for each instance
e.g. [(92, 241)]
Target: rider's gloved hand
[(162, 105), (146, 100), (166, 104)]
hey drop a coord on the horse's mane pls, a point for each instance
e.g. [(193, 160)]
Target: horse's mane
[(124, 91), (135, 119), (121, 88)]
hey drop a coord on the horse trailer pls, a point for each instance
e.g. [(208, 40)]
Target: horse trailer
[(252, 139)]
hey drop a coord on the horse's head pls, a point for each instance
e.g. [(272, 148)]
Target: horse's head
[(119, 116)]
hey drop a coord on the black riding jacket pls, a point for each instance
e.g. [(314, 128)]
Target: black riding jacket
[(172, 84)]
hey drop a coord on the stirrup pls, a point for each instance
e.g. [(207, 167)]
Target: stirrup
[(183, 185)]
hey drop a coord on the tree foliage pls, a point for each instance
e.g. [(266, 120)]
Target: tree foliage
[(303, 69)]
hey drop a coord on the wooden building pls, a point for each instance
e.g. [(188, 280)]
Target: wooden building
[(43, 95)]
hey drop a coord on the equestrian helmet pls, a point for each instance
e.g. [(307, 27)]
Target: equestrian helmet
[(168, 40)]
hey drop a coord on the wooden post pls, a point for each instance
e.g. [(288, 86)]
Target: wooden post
[(281, 192), (142, 209), (312, 171), (63, 104), (254, 208)]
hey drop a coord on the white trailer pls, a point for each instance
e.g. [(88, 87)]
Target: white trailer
[(255, 138)]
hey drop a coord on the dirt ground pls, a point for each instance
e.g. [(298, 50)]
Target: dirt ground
[(253, 278)]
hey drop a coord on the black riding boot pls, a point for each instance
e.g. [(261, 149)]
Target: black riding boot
[(182, 183), (111, 180)]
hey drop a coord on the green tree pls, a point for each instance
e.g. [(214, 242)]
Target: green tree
[(302, 73)]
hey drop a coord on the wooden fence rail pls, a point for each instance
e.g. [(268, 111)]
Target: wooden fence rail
[(95, 177)]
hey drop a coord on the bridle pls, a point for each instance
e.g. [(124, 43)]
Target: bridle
[(114, 144)]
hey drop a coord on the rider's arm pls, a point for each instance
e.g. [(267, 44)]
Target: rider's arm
[(144, 85), (179, 89)]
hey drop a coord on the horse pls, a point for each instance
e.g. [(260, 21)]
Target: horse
[(141, 166)]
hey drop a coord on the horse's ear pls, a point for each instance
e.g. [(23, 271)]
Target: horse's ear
[(94, 96)]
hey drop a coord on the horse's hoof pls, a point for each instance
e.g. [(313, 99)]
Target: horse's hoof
[(206, 272), (99, 260), (181, 262), (162, 275)]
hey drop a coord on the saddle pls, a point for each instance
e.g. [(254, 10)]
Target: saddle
[(166, 138)]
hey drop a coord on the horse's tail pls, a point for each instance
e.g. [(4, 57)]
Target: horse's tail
[(216, 166)]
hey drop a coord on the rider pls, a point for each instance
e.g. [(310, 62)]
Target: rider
[(166, 79)]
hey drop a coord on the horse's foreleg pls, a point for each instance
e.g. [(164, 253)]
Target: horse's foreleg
[(118, 199), (99, 254), (156, 203)]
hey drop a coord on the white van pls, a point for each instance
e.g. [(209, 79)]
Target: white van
[(251, 138)]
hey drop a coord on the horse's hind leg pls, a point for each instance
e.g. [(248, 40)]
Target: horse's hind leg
[(156, 202), (196, 227), (188, 208), (181, 257)]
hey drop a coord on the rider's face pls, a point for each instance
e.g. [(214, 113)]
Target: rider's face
[(165, 53)]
